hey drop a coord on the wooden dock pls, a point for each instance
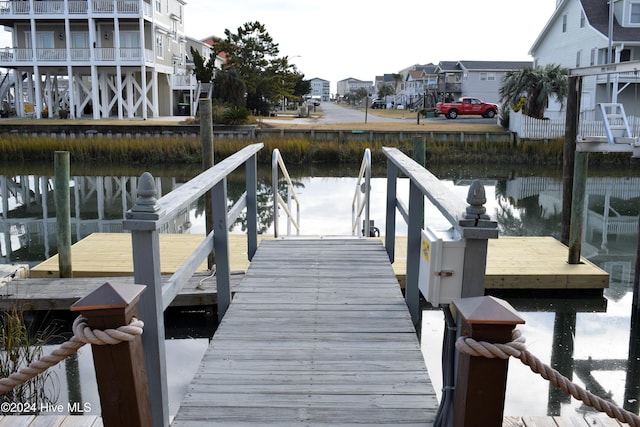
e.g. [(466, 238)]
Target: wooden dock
[(513, 262), (318, 333)]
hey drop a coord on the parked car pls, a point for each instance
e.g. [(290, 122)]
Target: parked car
[(378, 103), (467, 105)]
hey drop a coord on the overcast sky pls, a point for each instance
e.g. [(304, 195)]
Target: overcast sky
[(338, 39)]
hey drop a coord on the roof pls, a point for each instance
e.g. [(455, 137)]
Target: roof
[(597, 13), (495, 65)]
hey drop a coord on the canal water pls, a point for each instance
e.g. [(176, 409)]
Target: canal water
[(583, 335)]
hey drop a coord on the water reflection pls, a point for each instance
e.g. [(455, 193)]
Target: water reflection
[(591, 339)]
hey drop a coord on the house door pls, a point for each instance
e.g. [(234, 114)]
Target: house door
[(130, 45), (80, 46)]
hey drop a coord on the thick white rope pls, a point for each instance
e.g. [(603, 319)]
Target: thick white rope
[(82, 334), (517, 349)]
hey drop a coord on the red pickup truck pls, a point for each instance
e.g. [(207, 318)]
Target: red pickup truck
[(465, 106)]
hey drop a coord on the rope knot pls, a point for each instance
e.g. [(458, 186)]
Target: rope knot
[(82, 334)]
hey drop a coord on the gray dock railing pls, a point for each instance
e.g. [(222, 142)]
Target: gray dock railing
[(468, 219), (146, 218)]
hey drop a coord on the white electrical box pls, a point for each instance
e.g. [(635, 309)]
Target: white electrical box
[(441, 263)]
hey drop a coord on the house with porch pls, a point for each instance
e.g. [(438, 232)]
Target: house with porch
[(417, 89), (578, 34), (479, 79), (95, 58)]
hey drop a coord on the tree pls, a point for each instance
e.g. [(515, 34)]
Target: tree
[(253, 55), (361, 93), (385, 90), (203, 69), (228, 86), (536, 85)]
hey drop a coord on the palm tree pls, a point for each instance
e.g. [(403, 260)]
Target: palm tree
[(536, 85)]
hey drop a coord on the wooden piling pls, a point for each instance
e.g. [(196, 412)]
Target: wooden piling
[(206, 141), (120, 368), (568, 155), (63, 212), (577, 206)]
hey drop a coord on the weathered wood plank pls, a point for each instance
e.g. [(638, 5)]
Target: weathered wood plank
[(314, 360), (60, 294)]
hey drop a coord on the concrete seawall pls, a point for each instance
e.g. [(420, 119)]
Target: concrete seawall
[(251, 132)]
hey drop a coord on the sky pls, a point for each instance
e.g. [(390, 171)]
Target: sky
[(339, 39)]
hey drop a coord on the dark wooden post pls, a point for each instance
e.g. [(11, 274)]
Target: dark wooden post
[(120, 368), (481, 382), (568, 155), (206, 142)]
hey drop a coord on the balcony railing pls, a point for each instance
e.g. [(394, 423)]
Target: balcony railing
[(54, 7), (184, 80), (622, 78), (11, 56)]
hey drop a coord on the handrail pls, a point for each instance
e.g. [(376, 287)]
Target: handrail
[(278, 163), (145, 220), (468, 220), (357, 205)]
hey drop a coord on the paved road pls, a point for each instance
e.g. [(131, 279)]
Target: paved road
[(337, 113)]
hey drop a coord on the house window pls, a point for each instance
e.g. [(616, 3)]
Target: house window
[(625, 55), (158, 6), (174, 30), (578, 54), (592, 60), (160, 46), (582, 20), (487, 76), (634, 16), (564, 23)]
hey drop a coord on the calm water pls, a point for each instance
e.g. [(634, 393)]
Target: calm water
[(586, 337)]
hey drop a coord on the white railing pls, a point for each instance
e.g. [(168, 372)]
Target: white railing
[(184, 80), (48, 7), (102, 6), (363, 186), (590, 124), (278, 164), (78, 7), (51, 55), (128, 6), (13, 55), (74, 7)]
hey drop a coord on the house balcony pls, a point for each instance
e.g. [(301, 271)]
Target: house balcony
[(17, 57), (450, 87), (184, 81), (24, 9), (623, 78)]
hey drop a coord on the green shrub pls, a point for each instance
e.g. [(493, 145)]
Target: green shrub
[(235, 116)]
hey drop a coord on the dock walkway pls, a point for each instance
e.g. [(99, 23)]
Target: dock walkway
[(318, 333)]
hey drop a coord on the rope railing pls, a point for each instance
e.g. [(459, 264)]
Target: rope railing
[(517, 349), (82, 334)]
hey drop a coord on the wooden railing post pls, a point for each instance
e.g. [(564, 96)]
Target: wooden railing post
[(478, 229), (481, 382), (120, 368), (251, 172), (390, 226), (145, 242)]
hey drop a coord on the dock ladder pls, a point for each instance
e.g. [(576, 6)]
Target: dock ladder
[(615, 121), (618, 135)]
